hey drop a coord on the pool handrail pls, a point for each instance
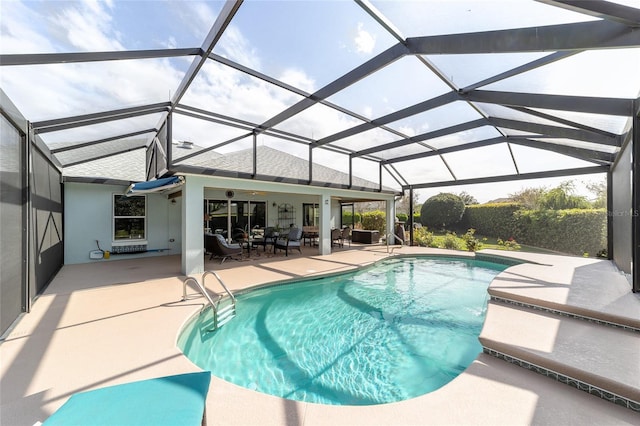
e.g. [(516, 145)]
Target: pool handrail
[(391, 234), (226, 313)]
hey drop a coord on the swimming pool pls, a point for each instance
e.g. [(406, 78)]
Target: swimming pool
[(399, 329)]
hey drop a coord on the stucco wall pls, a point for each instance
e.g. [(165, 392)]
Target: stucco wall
[(88, 217)]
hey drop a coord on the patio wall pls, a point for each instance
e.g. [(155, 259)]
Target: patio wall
[(89, 216)]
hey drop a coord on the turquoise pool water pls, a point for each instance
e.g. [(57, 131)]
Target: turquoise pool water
[(399, 329)]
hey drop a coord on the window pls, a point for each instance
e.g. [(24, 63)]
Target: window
[(129, 218), (244, 214), (311, 214)]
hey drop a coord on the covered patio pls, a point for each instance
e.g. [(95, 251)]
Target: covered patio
[(317, 104)]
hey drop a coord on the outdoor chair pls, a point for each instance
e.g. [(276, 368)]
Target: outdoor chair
[(268, 238), (336, 238), (218, 247), (346, 235), (292, 240)]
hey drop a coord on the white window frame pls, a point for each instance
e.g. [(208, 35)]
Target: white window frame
[(130, 241)]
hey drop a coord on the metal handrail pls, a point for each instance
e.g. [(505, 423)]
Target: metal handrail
[(214, 304), (199, 287), (391, 234), (233, 299)]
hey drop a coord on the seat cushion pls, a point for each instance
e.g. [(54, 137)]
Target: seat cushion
[(172, 400)]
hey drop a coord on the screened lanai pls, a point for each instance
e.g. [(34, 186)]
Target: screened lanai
[(393, 96)]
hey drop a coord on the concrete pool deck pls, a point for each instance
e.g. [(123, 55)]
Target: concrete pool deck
[(117, 321)]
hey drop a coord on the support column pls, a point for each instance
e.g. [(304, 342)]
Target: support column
[(324, 233), (411, 207), (192, 232), (635, 199), (610, 215), (391, 219)]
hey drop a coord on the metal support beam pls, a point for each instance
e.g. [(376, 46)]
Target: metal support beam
[(597, 157), (610, 215), (99, 141), (601, 9), (40, 126), (522, 176), (423, 137), (372, 65), (554, 131), (427, 105), (67, 58), (254, 155), (592, 105), (521, 69), (456, 148), (411, 207), (576, 36)]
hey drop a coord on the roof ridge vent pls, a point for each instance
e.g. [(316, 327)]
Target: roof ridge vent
[(185, 144)]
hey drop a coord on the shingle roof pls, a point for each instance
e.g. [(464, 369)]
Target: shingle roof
[(271, 162)]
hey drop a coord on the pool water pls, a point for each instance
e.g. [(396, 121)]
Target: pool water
[(399, 329)]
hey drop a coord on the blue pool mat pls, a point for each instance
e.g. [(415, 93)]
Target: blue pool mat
[(171, 400)]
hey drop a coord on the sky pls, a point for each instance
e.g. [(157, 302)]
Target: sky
[(305, 44)]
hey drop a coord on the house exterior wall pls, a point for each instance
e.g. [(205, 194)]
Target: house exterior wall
[(89, 217)]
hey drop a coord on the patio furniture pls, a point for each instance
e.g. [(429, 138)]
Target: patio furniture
[(310, 235), (238, 235), (268, 238), (365, 236), (171, 400), (292, 240), (336, 238), (346, 235), (218, 247)]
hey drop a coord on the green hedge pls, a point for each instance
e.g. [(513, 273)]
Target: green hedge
[(496, 219), (575, 231), (375, 220), (346, 218)]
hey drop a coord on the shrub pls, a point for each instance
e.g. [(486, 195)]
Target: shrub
[(451, 242), (473, 244), (422, 237), (375, 220), (442, 210), (347, 217), (402, 217), (575, 231), (491, 219), (510, 244)]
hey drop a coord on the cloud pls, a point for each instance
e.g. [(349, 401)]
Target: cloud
[(298, 78), (88, 26), (61, 90), (365, 41)]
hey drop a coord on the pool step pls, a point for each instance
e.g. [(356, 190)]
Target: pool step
[(226, 314), (570, 350)]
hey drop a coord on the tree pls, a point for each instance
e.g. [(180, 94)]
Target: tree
[(442, 210), (599, 190), (530, 198), (467, 198), (562, 197), (402, 205)]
